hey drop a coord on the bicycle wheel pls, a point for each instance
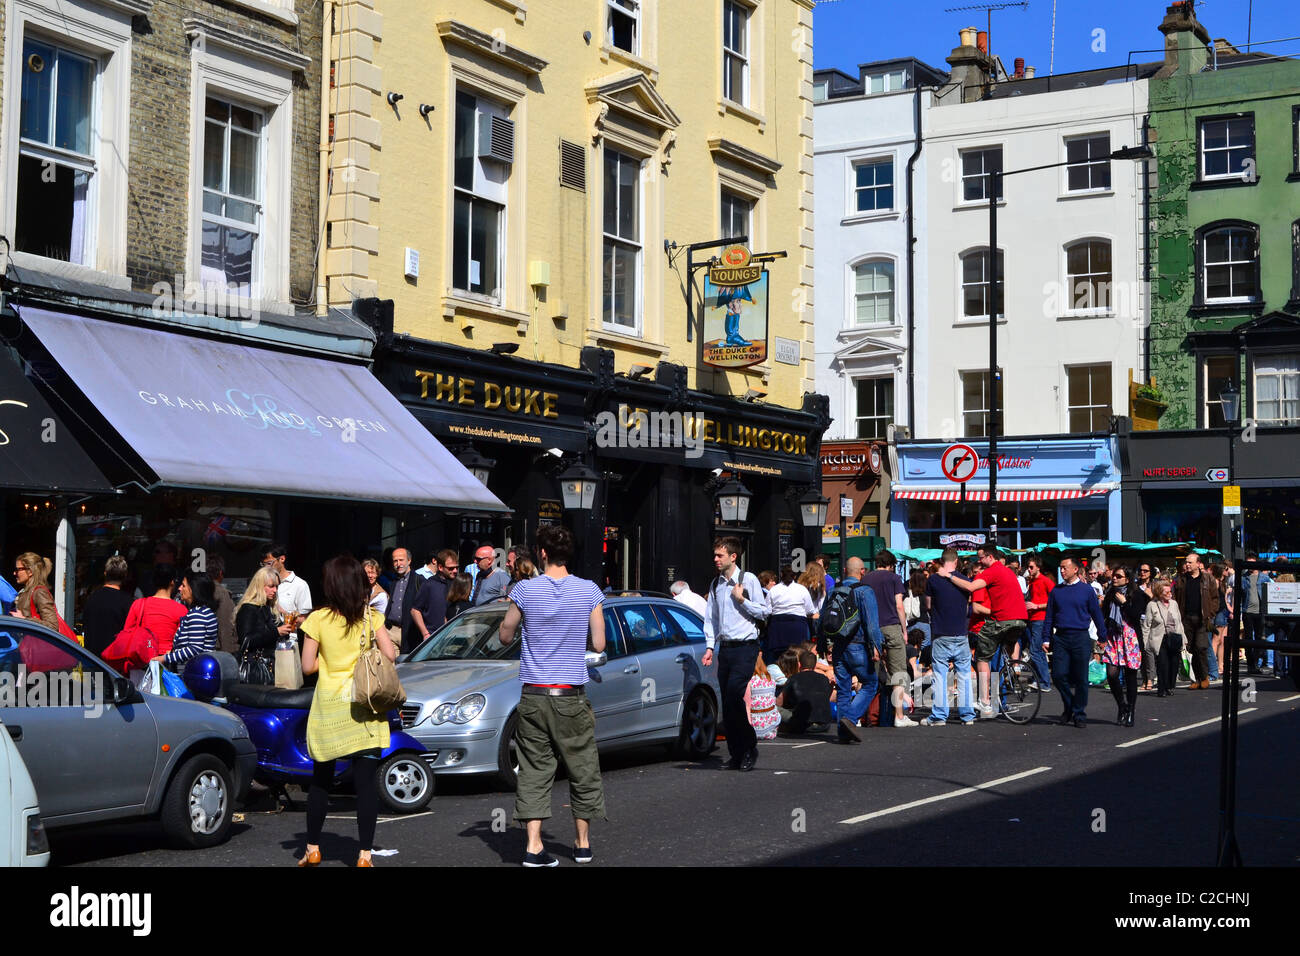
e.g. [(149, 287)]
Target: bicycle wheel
[(1018, 692)]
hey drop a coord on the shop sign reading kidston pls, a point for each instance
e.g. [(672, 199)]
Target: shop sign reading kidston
[(735, 311), (493, 396)]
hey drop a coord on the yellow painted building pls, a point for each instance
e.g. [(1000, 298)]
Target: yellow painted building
[(707, 105), (521, 180)]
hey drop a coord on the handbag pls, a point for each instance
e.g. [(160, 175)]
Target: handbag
[(253, 668), (63, 627), (134, 646), (374, 678)]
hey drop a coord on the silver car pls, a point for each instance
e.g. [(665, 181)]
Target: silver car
[(462, 686), (98, 750)]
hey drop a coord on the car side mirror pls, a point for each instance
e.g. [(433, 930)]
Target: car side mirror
[(124, 692), (595, 659)]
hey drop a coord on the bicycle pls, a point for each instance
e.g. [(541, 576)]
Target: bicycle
[(1019, 694)]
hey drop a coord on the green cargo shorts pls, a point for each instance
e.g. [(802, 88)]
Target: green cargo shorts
[(995, 634), (553, 729)]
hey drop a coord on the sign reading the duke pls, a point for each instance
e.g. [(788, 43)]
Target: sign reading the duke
[(735, 311), (959, 462)]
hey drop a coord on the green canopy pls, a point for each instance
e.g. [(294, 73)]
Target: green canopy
[(1117, 546)]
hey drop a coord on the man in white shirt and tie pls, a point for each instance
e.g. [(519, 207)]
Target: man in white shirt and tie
[(733, 607)]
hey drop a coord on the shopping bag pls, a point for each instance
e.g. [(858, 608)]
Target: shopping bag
[(1097, 674), (173, 686), (150, 678), (288, 666)]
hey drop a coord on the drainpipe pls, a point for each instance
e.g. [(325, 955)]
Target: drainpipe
[(1146, 250), (911, 272), (326, 149)]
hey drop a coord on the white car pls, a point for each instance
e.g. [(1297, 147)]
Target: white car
[(22, 834)]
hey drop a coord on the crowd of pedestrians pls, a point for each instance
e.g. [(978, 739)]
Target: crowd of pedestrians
[(1130, 629)]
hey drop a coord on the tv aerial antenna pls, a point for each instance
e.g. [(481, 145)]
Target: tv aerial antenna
[(988, 9)]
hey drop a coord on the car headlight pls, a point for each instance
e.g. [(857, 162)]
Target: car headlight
[(469, 707), (461, 712)]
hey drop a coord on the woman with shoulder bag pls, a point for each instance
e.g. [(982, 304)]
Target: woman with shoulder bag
[(257, 627), (334, 637), (34, 600), (1121, 652), (1161, 633)]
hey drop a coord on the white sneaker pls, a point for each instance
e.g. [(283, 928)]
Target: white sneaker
[(904, 721), (984, 711)]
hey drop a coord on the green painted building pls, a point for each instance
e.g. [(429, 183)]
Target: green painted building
[(1224, 253)]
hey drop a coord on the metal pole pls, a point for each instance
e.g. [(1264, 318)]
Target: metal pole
[(995, 189), (1229, 852), (844, 529)]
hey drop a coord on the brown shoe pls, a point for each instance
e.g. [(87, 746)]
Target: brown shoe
[(1205, 685), (310, 858), (364, 861)]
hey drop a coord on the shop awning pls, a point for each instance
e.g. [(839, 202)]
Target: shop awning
[(37, 450), (953, 493), (217, 415)]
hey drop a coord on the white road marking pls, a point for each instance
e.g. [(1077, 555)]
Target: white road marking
[(817, 743), (1285, 700), (353, 816), (946, 796), (1179, 730)]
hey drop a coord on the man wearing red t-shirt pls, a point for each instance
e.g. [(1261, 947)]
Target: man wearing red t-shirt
[(1005, 611), (1040, 586)]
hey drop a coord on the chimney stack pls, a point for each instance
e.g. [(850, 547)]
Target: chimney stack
[(972, 68), (982, 42), (1020, 68), (1029, 72), (1186, 40)]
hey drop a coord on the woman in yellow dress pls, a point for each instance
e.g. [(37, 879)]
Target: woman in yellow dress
[(333, 638)]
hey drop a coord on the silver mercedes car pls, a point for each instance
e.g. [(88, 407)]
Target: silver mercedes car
[(462, 686)]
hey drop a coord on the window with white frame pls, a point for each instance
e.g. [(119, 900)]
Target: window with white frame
[(975, 407), (1088, 401), (875, 406), (1229, 264), (1088, 275), (1277, 389), (622, 245), (975, 285), (873, 185), (232, 191), (480, 187), (1227, 146), (624, 25), (1088, 159), (976, 167), (56, 153), (873, 293), (737, 216), (886, 82), (820, 90), (735, 52), (1217, 372)]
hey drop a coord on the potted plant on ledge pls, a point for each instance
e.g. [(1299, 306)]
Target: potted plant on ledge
[(1147, 407)]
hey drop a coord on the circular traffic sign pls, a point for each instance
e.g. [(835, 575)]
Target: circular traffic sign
[(959, 462)]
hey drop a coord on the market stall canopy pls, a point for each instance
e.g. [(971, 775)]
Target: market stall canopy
[(217, 415), (37, 452), (1173, 547)]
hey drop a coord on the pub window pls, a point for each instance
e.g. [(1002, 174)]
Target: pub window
[(736, 216), (480, 187), (622, 245)]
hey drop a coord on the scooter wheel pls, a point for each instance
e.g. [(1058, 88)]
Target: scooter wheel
[(405, 783)]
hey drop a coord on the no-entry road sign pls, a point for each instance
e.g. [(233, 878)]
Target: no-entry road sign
[(959, 462)]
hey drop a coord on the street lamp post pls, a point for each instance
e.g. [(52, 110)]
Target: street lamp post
[(995, 374), (1229, 852)]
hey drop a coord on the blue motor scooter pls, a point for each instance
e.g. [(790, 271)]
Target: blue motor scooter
[(277, 724)]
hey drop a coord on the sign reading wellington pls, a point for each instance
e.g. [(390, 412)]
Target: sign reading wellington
[(735, 311), (959, 463)]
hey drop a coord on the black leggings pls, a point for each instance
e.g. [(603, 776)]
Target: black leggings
[(364, 780), (1130, 686), (1167, 661)]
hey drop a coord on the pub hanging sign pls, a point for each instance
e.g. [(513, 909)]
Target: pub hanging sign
[(735, 311)]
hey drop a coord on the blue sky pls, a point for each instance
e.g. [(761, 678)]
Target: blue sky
[(849, 32)]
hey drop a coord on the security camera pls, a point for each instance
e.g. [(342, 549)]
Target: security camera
[(558, 453), (717, 472)]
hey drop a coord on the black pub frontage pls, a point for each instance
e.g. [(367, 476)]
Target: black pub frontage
[(660, 455)]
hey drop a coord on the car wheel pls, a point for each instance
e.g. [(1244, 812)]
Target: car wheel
[(508, 755), (405, 783), (699, 731), (197, 809)]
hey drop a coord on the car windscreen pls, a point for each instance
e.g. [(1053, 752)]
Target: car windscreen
[(468, 637)]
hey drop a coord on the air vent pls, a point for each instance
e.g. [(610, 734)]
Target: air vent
[(573, 165), (496, 138)]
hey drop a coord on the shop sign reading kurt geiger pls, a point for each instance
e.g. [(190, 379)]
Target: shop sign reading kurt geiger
[(735, 311)]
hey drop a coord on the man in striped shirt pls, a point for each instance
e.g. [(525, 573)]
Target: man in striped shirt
[(557, 610), (735, 605)]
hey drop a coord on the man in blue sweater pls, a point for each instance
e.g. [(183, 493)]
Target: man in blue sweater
[(1069, 608)]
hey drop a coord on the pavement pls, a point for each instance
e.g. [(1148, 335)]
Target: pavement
[(986, 795)]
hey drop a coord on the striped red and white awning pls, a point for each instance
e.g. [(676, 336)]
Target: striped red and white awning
[(1036, 494)]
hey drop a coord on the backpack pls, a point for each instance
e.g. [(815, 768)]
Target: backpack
[(839, 622)]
